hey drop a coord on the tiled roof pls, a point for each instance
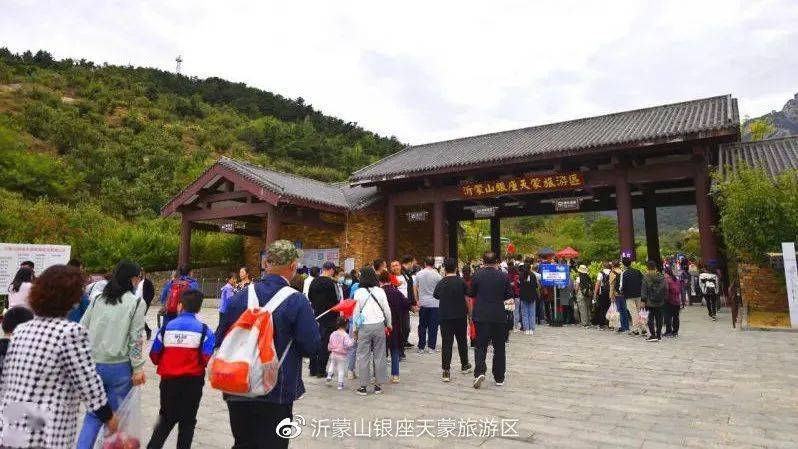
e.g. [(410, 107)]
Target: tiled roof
[(690, 119), (292, 186), (775, 156)]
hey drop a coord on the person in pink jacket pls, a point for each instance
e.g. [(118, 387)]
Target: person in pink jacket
[(339, 345), (673, 304)]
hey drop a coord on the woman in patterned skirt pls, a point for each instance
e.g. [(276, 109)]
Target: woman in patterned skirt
[(49, 371)]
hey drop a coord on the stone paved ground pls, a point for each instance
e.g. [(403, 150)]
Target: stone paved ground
[(568, 388)]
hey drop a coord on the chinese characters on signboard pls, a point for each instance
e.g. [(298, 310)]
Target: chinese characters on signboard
[(525, 184)]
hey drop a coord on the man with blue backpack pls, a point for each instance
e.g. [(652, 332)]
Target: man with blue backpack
[(254, 420)]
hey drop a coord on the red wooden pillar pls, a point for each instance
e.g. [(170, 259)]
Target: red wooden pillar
[(390, 230), (496, 237), (623, 205), (184, 252), (652, 227), (438, 228), (272, 226), (706, 218)]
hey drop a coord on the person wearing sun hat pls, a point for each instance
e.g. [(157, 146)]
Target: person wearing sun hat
[(583, 286), (253, 420)]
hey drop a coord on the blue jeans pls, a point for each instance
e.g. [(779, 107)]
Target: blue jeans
[(620, 303), (528, 312), (117, 381), (427, 327), (395, 353)]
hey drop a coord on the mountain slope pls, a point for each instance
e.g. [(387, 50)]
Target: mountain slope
[(90, 153), (781, 123)]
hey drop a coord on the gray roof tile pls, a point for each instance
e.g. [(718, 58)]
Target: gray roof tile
[(774, 156), (284, 184), (673, 121)]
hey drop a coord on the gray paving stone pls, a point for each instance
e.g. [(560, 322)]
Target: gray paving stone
[(570, 387)]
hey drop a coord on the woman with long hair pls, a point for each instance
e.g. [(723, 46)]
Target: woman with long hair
[(528, 292), (115, 321), (20, 287), (48, 371), (372, 318)]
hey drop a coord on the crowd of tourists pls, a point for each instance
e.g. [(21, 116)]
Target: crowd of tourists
[(72, 341)]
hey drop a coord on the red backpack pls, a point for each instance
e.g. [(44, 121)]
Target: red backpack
[(175, 290)]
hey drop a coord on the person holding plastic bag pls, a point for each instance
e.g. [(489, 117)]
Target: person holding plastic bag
[(128, 434), (115, 321), (49, 371)]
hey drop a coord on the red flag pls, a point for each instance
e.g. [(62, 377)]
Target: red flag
[(346, 307)]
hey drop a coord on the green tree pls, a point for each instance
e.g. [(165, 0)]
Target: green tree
[(760, 128), (757, 213)]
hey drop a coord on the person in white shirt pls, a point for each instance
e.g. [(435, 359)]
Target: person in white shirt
[(398, 278), (372, 316), (710, 289), (314, 273), (19, 289)]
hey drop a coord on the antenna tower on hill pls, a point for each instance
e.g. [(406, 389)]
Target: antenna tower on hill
[(178, 64)]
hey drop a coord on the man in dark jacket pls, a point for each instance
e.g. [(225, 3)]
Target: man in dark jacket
[(253, 420), (630, 285), (323, 295), (407, 273), (490, 287), (654, 292), (452, 312)]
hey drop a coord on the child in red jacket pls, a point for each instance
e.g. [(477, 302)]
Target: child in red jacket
[(181, 349)]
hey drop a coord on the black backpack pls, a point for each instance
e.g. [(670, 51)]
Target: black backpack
[(711, 286), (604, 289), (585, 285)]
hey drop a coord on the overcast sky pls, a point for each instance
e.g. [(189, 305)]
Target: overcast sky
[(432, 70)]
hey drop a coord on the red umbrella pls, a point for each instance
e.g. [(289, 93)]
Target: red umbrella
[(567, 253)]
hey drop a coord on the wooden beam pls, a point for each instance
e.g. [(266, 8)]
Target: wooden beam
[(228, 212), (223, 196), (215, 228), (242, 183)]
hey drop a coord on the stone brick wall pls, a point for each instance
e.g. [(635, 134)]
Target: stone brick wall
[(762, 289), (252, 249), (363, 238), (414, 238)]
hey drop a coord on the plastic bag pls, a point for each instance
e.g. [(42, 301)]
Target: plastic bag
[(129, 434), (642, 317), (612, 313)]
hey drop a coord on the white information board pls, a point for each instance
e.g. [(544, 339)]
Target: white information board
[(349, 264), (317, 257), (791, 276), (43, 256)]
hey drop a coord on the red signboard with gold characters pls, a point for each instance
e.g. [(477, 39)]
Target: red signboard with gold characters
[(524, 184)]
